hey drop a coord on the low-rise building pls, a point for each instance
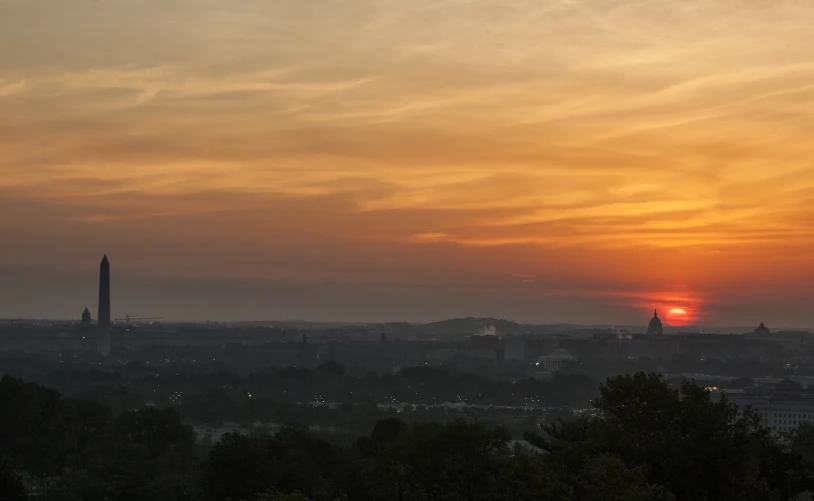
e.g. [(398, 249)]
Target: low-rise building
[(779, 410)]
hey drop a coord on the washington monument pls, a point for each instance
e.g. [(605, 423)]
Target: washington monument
[(104, 293)]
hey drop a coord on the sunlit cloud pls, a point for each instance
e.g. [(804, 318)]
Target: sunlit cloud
[(586, 128)]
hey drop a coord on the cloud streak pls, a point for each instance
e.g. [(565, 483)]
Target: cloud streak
[(476, 125)]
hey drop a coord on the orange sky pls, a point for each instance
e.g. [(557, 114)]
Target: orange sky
[(582, 161)]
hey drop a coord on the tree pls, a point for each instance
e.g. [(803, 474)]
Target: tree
[(562, 431), (294, 460), (606, 478), (385, 431), (87, 426), (695, 447), (282, 496), (459, 461), (80, 486), (159, 431), (11, 487), (238, 468), (801, 442), (31, 430)]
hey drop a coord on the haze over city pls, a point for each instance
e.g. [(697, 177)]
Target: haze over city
[(546, 162)]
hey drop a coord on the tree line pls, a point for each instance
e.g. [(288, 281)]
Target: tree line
[(329, 382), (648, 442)]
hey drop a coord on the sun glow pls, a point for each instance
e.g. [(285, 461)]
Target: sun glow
[(677, 317)]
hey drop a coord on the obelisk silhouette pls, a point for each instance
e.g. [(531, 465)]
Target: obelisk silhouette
[(104, 293)]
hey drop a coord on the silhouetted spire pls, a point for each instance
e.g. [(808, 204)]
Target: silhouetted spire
[(104, 293), (86, 320)]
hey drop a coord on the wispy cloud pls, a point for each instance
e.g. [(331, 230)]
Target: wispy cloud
[(476, 125)]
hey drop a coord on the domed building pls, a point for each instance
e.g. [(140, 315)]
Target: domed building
[(86, 318), (655, 326), (762, 330), (556, 360)]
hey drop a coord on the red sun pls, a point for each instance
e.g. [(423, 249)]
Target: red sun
[(677, 317)]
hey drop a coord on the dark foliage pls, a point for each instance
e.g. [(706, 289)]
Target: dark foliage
[(11, 487), (648, 442)]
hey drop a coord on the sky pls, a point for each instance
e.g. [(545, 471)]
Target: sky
[(544, 161)]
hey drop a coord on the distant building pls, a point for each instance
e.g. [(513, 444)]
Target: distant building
[(655, 326), (779, 410), (533, 348), (762, 330), (514, 349), (35, 485), (537, 346), (485, 342), (86, 318), (555, 361)]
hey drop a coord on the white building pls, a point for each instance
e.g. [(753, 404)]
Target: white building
[(555, 361), (779, 410)]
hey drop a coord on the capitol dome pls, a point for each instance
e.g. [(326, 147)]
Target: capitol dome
[(762, 330), (655, 326)]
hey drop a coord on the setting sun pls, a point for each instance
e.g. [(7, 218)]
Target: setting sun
[(677, 317)]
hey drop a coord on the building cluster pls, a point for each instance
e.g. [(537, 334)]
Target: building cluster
[(547, 353), (542, 354)]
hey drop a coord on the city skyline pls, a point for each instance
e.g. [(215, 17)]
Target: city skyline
[(578, 161), (675, 320)]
